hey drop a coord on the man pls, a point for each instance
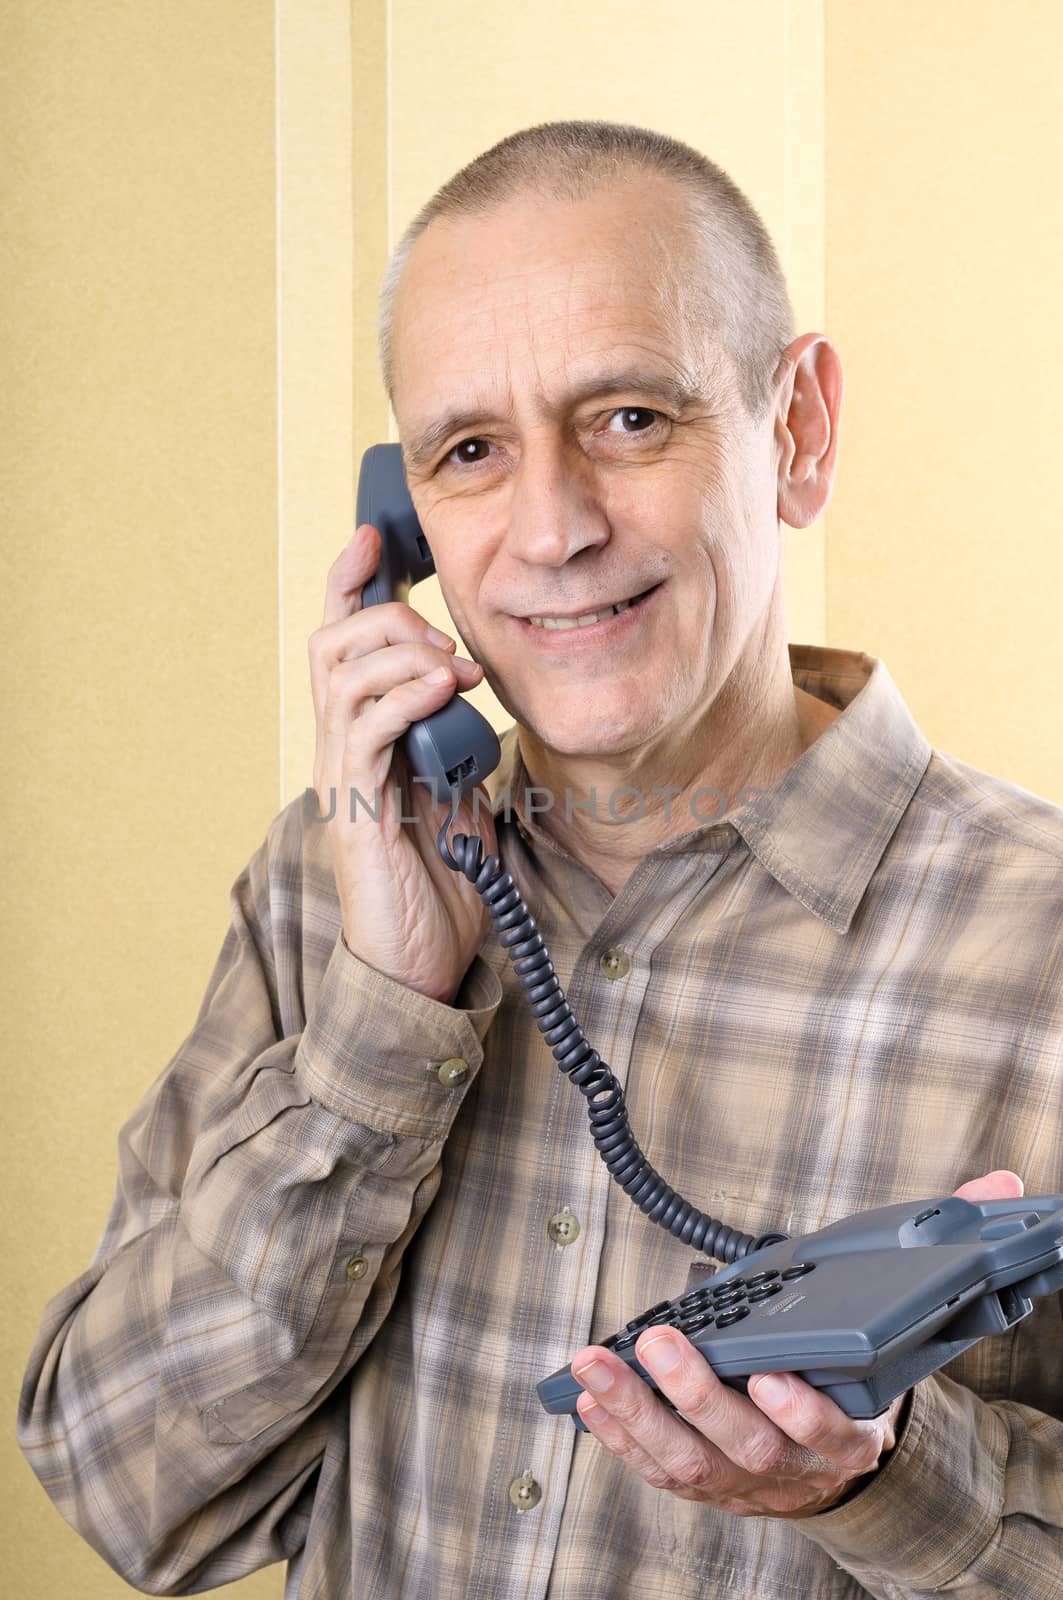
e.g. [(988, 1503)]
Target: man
[(359, 1214)]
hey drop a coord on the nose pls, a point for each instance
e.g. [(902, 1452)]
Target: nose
[(554, 511)]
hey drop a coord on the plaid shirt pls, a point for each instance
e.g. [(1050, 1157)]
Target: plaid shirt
[(335, 1266)]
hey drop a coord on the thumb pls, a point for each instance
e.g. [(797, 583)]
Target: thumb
[(998, 1185)]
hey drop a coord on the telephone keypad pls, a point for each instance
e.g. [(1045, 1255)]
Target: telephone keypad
[(708, 1306)]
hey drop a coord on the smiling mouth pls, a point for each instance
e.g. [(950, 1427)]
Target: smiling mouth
[(590, 617)]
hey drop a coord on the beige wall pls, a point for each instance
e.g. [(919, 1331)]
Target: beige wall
[(944, 235), (139, 635), (201, 200)]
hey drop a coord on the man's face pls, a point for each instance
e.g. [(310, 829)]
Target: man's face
[(544, 500)]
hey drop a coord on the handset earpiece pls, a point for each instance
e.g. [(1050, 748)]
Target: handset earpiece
[(455, 747)]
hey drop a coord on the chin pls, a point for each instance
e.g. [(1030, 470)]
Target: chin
[(579, 733)]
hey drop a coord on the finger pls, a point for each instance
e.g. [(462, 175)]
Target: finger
[(367, 758), (816, 1423), (353, 683), (616, 1439), (349, 638), (739, 1429), (681, 1452), (380, 724), (998, 1185), (350, 571), (393, 622), (355, 686)]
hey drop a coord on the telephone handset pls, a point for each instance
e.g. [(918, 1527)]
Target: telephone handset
[(455, 746), (453, 750)]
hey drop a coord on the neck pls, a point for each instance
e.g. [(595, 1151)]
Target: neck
[(756, 726)]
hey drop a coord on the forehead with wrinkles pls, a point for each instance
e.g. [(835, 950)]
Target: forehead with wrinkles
[(545, 292)]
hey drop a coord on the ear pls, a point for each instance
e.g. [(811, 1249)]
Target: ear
[(808, 403)]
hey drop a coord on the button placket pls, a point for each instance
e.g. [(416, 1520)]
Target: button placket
[(581, 1215), (603, 1009), (565, 1226)]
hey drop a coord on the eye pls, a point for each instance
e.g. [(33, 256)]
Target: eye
[(463, 458), (627, 412)]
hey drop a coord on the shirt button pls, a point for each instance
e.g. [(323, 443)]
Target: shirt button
[(564, 1227), (525, 1493), (357, 1267), (615, 964), (453, 1072)]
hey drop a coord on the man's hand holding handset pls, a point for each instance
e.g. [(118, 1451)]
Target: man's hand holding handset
[(373, 672)]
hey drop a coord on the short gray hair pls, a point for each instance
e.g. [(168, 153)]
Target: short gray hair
[(743, 299)]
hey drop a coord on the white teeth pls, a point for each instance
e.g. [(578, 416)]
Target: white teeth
[(558, 623)]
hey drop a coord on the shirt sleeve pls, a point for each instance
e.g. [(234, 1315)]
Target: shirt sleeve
[(176, 1403), (970, 1502)]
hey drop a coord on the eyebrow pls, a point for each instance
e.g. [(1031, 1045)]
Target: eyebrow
[(679, 391)]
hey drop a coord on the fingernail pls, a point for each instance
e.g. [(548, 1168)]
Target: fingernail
[(660, 1354), (441, 639), (595, 1375), (772, 1391), (437, 675)]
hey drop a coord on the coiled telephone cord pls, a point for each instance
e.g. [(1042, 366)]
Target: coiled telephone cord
[(606, 1108)]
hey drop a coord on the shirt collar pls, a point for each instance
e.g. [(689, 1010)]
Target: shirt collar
[(822, 827)]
